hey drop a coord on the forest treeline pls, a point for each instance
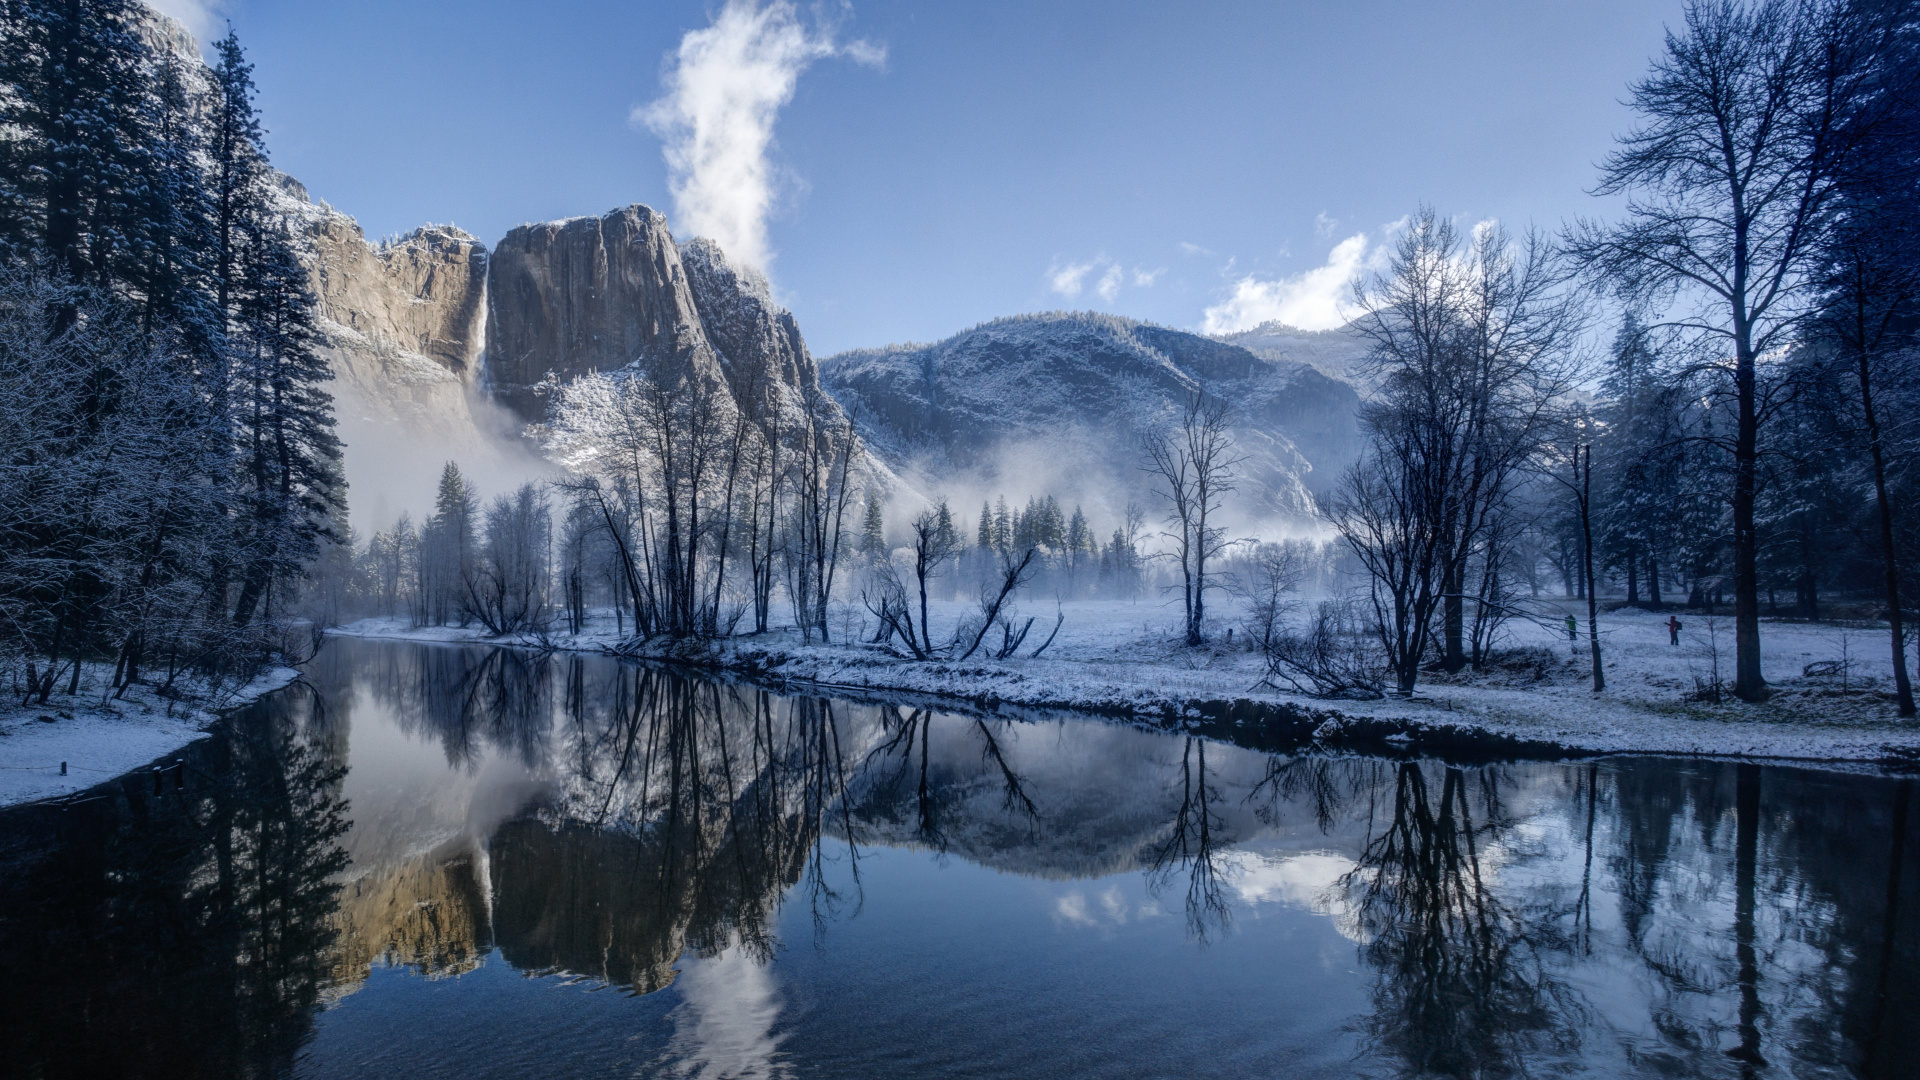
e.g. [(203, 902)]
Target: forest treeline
[(168, 462)]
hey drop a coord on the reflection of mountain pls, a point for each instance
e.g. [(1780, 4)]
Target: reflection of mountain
[(428, 914)]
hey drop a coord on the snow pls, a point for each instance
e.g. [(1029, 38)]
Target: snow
[(1125, 659), (101, 739)]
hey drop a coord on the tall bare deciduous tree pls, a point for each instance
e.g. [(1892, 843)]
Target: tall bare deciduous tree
[(1193, 465), (1469, 342), (1731, 178)]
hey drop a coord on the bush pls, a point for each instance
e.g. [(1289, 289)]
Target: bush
[(1334, 657)]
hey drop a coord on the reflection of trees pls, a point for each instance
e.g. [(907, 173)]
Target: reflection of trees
[(687, 816), (1192, 845), (183, 933), (904, 759), (470, 699), (1459, 989), (1291, 780)]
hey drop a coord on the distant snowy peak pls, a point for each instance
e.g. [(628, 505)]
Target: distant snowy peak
[(1338, 354), (1064, 399)]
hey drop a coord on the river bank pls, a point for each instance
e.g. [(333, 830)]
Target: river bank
[(1125, 660), (72, 743)]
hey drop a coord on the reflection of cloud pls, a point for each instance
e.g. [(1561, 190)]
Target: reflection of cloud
[(1310, 881), (1073, 908), (724, 1023)]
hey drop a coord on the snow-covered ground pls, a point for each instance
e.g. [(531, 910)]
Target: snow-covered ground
[(98, 738), (1126, 659)]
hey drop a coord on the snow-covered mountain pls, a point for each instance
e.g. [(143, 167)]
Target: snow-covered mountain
[(1338, 354), (1059, 403)]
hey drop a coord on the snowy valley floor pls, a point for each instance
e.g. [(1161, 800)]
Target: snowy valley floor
[(99, 738), (1125, 659)]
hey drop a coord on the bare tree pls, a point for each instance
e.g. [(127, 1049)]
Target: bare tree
[(1194, 464), (1569, 463), (1732, 177), (508, 587), (1469, 341)]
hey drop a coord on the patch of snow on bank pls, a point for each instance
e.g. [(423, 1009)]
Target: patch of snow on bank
[(99, 740), (1126, 658)]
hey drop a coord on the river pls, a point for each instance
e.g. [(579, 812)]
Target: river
[(444, 861)]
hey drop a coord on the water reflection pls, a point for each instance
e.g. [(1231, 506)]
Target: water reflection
[(178, 923), (671, 837)]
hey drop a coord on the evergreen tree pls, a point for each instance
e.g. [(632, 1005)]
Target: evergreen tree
[(236, 175), (283, 418), (947, 535), (447, 548), (1636, 464), (74, 107), (872, 543)]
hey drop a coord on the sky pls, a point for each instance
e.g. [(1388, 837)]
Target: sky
[(904, 170)]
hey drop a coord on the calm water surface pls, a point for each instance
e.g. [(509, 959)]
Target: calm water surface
[(438, 861)]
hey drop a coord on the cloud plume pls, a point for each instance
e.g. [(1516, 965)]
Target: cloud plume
[(1316, 299), (724, 88)]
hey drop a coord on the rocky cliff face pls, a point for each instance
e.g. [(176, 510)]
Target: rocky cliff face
[(583, 295), (761, 352), (440, 347), (404, 325)]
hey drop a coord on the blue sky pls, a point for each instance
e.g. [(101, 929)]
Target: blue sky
[(940, 164)]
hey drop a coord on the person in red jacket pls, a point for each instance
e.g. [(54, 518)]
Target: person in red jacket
[(1673, 629)]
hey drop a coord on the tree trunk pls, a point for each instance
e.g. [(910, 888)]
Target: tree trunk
[(1746, 860), (1748, 683), (1889, 554), (1454, 577), (1593, 602)]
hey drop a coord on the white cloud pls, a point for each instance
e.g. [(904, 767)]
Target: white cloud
[(1191, 248), (1068, 280), (1323, 225), (1316, 299), (1103, 275), (725, 86)]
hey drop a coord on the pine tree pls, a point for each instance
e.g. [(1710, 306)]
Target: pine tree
[(948, 535), (873, 530), (283, 418), (281, 414), (74, 108), (238, 166), (447, 547)]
